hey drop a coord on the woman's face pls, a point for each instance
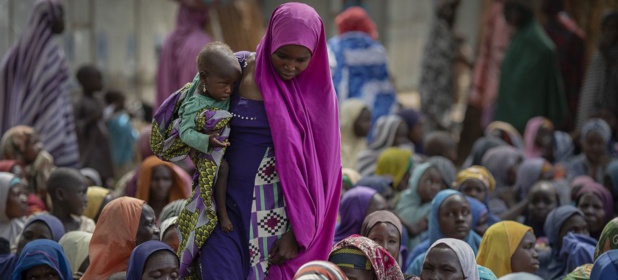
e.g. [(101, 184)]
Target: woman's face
[(575, 224), (542, 200), (147, 229), (161, 265), (473, 188), (362, 124), (42, 272), (455, 217), (401, 134), (161, 183), (430, 184), (35, 231), (594, 212), (594, 147), (441, 263), (16, 206), (291, 60), (387, 236), (170, 237), (358, 274), (525, 258)]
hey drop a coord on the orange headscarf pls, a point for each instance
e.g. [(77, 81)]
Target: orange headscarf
[(113, 239), (356, 19), (145, 177)]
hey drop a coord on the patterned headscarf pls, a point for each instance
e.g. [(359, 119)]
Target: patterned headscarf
[(319, 270), (382, 263), (394, 162), (465, 255), (356, 19), (608, 239), (479, 173), (42, 252), (498, 245), (15, 141), (172, 209), (512, 138)]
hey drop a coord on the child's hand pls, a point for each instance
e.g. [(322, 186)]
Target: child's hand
[(215, 143)]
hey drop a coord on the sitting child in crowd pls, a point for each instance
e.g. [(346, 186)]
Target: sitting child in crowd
[(67, 189)]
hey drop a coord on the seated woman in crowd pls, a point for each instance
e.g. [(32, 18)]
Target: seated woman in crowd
[(129, 222), (607, 242), (42, 258), (415, 203), (355, 123), (169, 233), (595, 141), (153, 260), (597, 204), (450, 217), (75, 245), (355, 205), (503, 163), (384, 228), (395, 163), (361, 258), (505, 132), (159, 184), (450, 258), (542, 199), (414, 121), (508, 247), (538, 141)]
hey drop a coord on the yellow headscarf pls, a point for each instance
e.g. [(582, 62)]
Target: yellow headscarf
[(479, 173), (351, 145), (95, 196), (498, 245), (394, 162)]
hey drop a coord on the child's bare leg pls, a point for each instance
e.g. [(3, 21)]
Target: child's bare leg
[(220, 190)]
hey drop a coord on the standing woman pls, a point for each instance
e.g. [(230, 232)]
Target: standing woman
[(34, 78), (286, 86)]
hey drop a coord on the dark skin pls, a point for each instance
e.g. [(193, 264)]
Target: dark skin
[(595, 149), (288, 62), (416, 133), (405, 181), (594, 212), (455, 217), (33, 147), (543, 199), (358, 274), (473, 188), (147, 229), (41, 272), (34, 231), (16, 206), (220, 190), (401, 135), (362, 123), (58, 23), (72, 197), (161, 183), (441, 263), (387, 235), (161, 265), (525, 258), (377, 203), (91, 81), (575, 224), (429, 185)]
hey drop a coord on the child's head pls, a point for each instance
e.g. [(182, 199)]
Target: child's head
[(219, 70), (90, 78), (13, 204), (455, 217), (67, 188), (441, 143), (429, 183), (115, 98), (543, 198)]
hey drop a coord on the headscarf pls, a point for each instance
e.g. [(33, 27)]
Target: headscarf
[(520, 276), (445, 167), (308, 164), (92, 175), (43, 252), (356, 19), (528, 173), (379, 183), (599, 126), (531, 150), (563, 146), (499, 243), (486, 273), (394, 162), (478, 209), (95, 196), (465, 255), (612, 171), (75, 245), (319, 270), (9, 228), (140, 255), (555, 220), (608, 239), (34, 76), (412, 117), (382, 263), (410, 207), (178, 190), (177, 58), (55, 226), (480, 148), (351, 145), (167, 224), (499, 160), (602, 193), (606, 266), (513, 137), (476, 172), (14, 141), (172, 209), (114, 237), (352, 211), (384, 133), (382, 216)]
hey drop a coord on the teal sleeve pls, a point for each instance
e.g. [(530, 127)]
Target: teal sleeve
[(189, 132)]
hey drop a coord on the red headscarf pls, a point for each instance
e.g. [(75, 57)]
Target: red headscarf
[(356, 19)]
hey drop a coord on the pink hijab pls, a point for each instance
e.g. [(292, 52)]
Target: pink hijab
[(306, 139), (177, 60), (531, 150)]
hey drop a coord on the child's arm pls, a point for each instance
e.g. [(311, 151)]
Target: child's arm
[(189, 132)]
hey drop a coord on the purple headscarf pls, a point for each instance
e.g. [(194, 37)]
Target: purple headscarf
[(140, 256), (353, 210), (306, 139), (177, 60), (55, 226)]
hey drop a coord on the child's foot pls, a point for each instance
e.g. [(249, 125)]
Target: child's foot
[(226, 224)]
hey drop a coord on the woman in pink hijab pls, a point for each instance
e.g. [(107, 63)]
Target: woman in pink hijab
[(285, 110)]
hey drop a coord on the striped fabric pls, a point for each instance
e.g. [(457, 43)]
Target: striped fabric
[(319, 270), (33, 86)]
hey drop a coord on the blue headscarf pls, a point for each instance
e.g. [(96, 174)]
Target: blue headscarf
[(410, 207), (140, 256), (55, 226), (43, 252), (606, 266), (477, 208)]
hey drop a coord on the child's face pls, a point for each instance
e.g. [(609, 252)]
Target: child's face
[(161, 183), (543, 199), (16, 206), (430, 184), (473, 188), (594, 147), (362, 124), (75, 197), (219, 86), (291, 60), (455, 217)]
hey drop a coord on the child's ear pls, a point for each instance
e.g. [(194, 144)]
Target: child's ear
[(60, 194)]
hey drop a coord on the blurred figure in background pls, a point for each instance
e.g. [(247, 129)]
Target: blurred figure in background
[(122, 135)]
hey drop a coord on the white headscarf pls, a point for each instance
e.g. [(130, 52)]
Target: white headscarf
[(9, 228), (169, 222), (75, 245), (464, 253)]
